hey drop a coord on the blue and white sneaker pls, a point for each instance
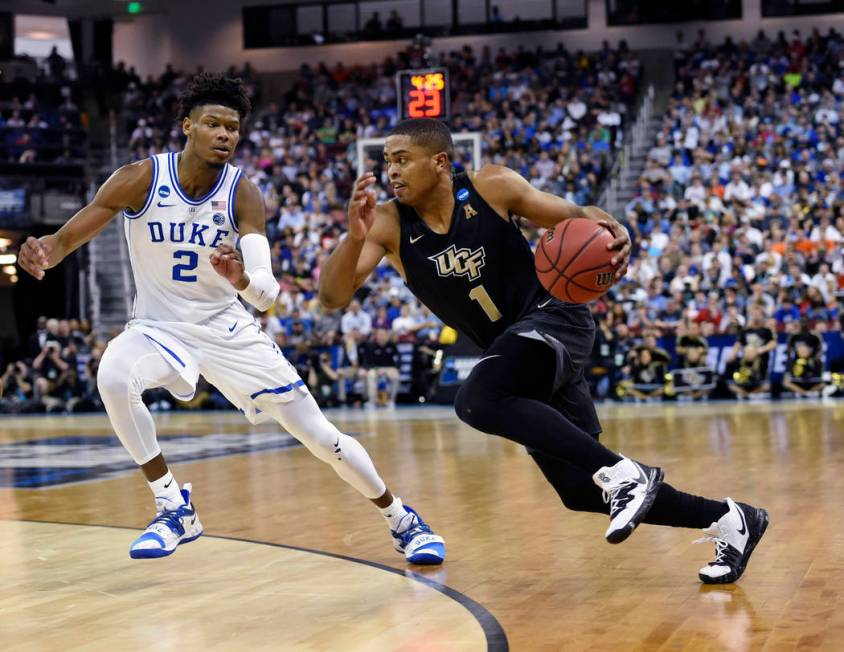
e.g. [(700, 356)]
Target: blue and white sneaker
[(417, 542), (168, 530)]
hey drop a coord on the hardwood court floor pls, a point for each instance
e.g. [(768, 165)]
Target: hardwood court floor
[(544, 573)]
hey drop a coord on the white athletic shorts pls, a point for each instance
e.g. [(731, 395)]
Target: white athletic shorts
[(232, 352)]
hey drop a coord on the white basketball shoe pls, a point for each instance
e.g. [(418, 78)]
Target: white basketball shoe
[(630, 489), (735, 536), (169, 529), (415, 539)]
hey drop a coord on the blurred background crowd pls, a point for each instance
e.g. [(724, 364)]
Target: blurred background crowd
[(736, 280)]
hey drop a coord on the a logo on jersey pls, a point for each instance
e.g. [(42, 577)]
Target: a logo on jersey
[(219, 219), (462, 194), (460, 262), (164, 191), (469, 211), (196, 233), (604, 279)]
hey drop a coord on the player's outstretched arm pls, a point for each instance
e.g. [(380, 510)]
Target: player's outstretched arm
[(359, 253), (508, 190), (126, 188)]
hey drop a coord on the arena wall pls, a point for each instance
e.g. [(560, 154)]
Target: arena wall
[(197, 32)]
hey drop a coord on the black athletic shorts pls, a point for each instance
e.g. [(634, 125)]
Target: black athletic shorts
[(569, 330)]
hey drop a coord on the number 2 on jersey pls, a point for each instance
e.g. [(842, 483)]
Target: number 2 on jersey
[(479, 294), (192, 262)]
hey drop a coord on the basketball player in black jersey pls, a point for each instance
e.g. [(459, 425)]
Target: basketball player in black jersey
[(453, 240)]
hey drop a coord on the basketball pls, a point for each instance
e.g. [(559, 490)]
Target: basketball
[(573, 262)]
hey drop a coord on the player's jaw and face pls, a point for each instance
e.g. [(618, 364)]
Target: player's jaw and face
[(213, 131), (413, 170)]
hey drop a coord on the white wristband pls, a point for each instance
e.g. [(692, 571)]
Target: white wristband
[(263, 288)]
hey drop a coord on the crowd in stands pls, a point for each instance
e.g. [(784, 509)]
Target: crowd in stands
[(40, 119), (737, 222), (58, 371)]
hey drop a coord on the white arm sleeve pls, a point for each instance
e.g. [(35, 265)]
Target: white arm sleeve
[(263, 288)]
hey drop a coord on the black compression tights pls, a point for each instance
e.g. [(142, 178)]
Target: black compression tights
[(509, 394)]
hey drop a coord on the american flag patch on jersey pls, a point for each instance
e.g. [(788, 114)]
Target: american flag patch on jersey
[(218, 205)]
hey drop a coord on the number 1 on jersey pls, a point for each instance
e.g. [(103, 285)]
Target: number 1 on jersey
[(479, 294)]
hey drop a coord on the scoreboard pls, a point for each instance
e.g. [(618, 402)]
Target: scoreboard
[(423, 94)]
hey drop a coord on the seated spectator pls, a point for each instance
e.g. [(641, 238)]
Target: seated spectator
[(16, 389), (749, 376), (647, 370), (355, 319), (44, 328), (600, 371), (322, 379), (373, 26), (747, 363), (380, 361), (350, 376), (787, 312), (381, 319), (694, 377), (49, 364), (804, 367), (394, 22)]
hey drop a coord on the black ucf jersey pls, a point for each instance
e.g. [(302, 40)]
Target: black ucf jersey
[(479, 277)]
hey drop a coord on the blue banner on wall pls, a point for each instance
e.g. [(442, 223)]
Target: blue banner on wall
[(720, 345), (456, 368)]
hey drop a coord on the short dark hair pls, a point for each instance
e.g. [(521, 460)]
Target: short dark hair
[(209, 88), (427, 132)]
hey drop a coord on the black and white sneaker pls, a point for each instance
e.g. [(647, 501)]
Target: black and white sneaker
[(630, 489), (735, 536)]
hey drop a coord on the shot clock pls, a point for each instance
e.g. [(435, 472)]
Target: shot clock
[(423, 94)]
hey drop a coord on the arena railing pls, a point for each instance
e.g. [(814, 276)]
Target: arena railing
[(634, 142)]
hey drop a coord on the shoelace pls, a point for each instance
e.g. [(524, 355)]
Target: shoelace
[(419, 527), (612, 497), (714, 535), (171, 519)]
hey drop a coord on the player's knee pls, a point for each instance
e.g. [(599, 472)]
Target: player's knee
[(112, 381), (474, 405), (115, 382), (320, 436)]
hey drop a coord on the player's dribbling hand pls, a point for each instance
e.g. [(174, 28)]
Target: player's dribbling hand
[(620, 243), (227, 262), (34, 256), (361, 209)]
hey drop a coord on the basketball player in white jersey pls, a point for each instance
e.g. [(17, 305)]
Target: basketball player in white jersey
[(184, 213)]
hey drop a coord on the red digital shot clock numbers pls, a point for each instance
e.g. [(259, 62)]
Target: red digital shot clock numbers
[(423, 94)]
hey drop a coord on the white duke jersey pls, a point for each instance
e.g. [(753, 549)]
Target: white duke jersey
[(170, 240)]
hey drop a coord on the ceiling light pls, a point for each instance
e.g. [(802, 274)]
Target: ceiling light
[(8, 259), (5, 242), (13, 279), (11, 270)]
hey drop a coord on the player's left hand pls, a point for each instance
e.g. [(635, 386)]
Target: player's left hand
[(621, 244), (228, 263)]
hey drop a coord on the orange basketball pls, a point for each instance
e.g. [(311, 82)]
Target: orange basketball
[(573, 262)]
